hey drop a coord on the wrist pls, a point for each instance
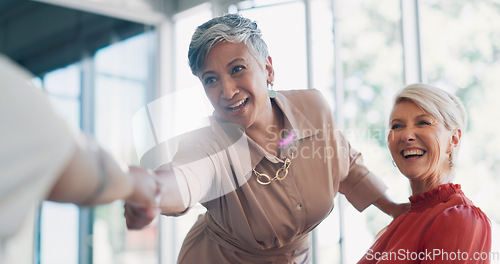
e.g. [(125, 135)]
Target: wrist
[(385, 205)]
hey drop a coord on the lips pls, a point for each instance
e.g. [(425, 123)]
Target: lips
[(412, 153), (238, 105)]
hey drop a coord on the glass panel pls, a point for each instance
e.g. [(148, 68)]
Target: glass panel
[(286, 41), (121, 85), (372, 58), (322, 48), (59, 222), (461, 56), (59, 233), (326, 235), (63, 89), (190, 100), (64, 82)]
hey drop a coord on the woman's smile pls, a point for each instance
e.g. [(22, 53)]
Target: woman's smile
[(236, 84), (418, 143), (238, 107), (412, 153)]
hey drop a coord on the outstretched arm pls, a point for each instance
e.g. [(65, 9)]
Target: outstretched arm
[(386, 205), (171, 200), (93, 177)]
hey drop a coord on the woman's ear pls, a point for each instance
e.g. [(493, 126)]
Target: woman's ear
[(456, 134)]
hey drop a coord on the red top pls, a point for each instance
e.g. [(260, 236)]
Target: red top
[(442, 226)]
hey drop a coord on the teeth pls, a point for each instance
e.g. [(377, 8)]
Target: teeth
[(237, 103), (413, 152)]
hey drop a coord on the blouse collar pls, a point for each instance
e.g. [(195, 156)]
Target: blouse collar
[(294, 121), (436, 196)]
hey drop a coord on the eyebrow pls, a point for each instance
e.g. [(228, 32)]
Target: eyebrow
[(229, 64), (399, 120)]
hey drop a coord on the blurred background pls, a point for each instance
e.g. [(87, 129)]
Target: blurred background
[(101, 61)]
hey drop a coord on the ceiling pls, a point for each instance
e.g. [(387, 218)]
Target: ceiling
[(43, 37)]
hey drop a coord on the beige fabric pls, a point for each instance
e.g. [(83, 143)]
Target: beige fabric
[(270, 224)]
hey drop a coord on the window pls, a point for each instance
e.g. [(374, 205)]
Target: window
[(286, 41), (461, 55), (122, 79), (372, 60), (189, 99), (59, 222)]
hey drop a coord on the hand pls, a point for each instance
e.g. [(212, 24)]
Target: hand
[(400, 209), (146, 188), (139, 217), (141, 207), (391, 208)]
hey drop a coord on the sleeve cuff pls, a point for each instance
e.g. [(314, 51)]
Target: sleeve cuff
[(367, 191)]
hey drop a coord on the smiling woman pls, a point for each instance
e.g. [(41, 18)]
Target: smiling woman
[(262, 198), (425, 131), (235, 82)]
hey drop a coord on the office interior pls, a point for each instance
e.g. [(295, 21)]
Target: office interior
[(101, 61)]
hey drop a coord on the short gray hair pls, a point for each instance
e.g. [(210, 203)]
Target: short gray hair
[(232, 28)]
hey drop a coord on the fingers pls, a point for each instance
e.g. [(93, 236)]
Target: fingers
[(139, 217), (146, 190), (142, 206)]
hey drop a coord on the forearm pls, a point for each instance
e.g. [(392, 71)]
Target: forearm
[(386, 205), (175, 196), (92, 177)]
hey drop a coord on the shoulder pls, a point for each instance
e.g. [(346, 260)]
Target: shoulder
[(460, 227), (463, 213), (305, 99), (304, 94), (461, 218)]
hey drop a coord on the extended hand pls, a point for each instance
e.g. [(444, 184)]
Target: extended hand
[(141, 207)]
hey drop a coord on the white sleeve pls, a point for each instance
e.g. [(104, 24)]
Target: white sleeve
[(36, 146), (220, 171)]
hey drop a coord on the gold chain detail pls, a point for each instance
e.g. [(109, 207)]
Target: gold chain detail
[(281, 173)]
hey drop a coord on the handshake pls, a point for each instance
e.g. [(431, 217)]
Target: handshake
[(152, 193), (143, 204)]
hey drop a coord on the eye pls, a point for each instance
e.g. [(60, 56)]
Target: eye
[(396, 126), (237, 69), (424, 123), (209, 80)]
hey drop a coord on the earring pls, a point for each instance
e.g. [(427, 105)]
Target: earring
[(450, 162), (272, 92), (394, 164)]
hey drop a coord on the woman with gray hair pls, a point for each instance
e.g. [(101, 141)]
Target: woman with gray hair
[(265, 193), (442, 225)]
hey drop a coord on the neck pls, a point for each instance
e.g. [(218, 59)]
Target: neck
[(422, 186), (266, 130)]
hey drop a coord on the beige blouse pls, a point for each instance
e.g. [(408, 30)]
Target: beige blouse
[(247, 222)]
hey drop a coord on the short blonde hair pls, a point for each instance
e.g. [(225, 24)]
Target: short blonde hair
[(445, 107), (442, 105)]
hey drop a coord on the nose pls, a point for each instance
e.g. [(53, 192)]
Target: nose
[(408, 135), (229, 89)]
